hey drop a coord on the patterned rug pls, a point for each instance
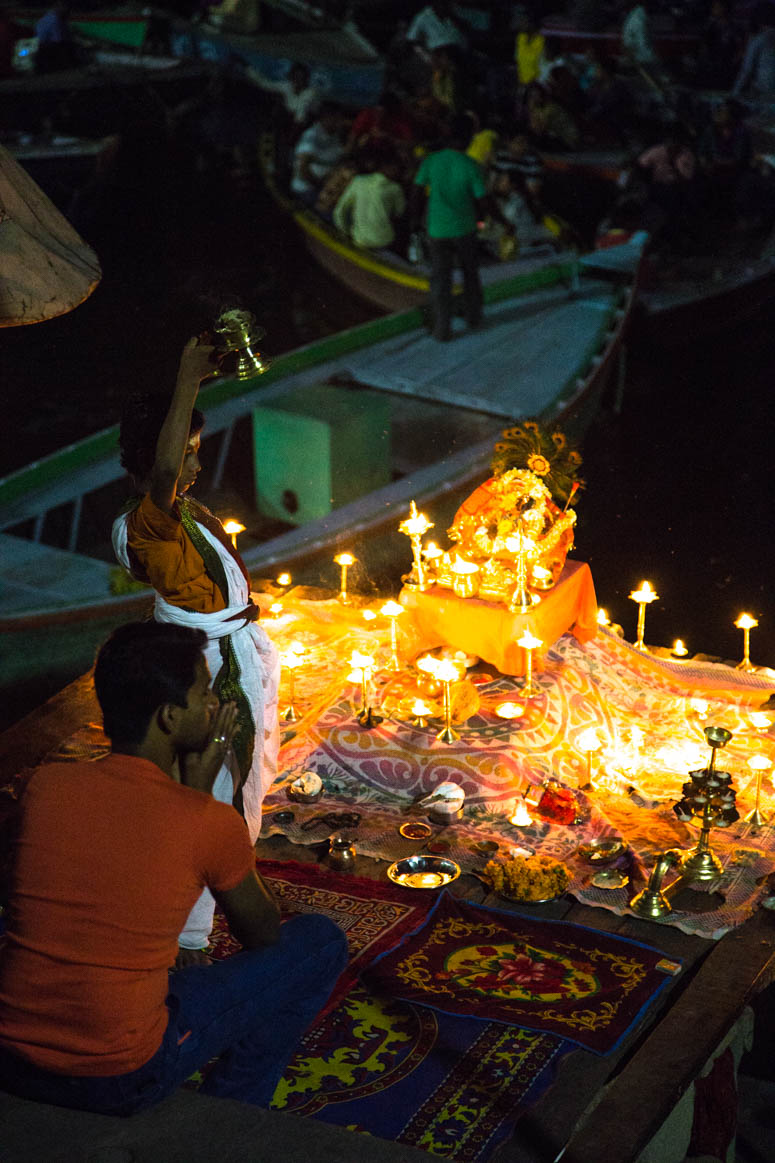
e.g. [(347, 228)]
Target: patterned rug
[(374, 916), (452, 1086), (548, 976)]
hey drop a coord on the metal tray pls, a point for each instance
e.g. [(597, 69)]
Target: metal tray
[(424, 871)]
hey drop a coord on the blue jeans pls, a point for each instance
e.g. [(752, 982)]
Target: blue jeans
[(250, 1010)]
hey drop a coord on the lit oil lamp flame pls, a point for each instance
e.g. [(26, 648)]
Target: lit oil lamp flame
[(746, 622), (529, 641), (645, 593), (284, 579), (233, 527), (760, 721), (420, 709), (509, 710), (461, 566), (602, 617), (589, 740), (416, 524), (431, 551), (679, 649), (276, 609), (360, 661), (369, 616), (344, 559), (391, 609), (521, 817), (759, 763), (700, 707)]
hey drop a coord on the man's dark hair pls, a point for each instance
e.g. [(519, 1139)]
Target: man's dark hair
[(142, 666), (141, 424)]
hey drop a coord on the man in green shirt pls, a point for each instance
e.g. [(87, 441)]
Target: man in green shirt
[(456, 199)]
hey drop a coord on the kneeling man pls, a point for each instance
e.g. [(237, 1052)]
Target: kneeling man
[(110, 857)]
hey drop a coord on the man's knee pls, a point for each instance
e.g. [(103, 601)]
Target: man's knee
[(319, 935)]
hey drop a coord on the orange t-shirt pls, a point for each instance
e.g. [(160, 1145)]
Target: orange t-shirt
[(110, 858), (166, 557)]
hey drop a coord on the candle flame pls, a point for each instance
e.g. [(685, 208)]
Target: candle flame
[(589, 740), (391, 609), (521, 817), (645, 593), (746, 622)]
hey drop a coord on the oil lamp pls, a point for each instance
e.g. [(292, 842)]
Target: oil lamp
[(602, 617), (415, 526), (369, 616), (238, 332), (446, 672), (364, 664), (420, 712), (393, 611), (588, 742), (284, 580), (520, 817), (760, 721), (509, 710), (292, 659), (708, 796), (759, 764), (233, 527), (679, 649), (644, 596), (529, 643), (344, 561), (746, 623)]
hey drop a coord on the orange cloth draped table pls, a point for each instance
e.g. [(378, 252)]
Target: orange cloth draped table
[(490, 630)]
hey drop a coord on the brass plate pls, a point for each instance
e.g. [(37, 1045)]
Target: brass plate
[(416, 831), (610, 878), (424, 872)]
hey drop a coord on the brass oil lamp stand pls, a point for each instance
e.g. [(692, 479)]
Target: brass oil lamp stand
[(709, 796)]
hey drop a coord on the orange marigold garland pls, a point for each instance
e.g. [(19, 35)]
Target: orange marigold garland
[(547, 454)]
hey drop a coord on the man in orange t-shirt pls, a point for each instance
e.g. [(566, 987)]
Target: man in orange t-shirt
[(109, 858)]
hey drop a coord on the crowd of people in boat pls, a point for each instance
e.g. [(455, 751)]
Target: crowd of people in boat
[(688, 161)]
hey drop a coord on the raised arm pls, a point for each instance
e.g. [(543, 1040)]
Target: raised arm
[(195, 364)]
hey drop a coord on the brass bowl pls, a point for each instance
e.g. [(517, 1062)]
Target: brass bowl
[(602, 850), (424, 872)]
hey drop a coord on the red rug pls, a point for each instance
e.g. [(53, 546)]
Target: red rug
[(374, 916), (548, 976)]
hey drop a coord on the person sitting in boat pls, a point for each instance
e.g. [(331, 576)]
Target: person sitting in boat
[(56, 48), (371, 203), (300, 99), (436, 26), (549, 124), (672, 190), (724, 151), (386, 126), (317, 151), (110, 856), (757, 72), (167, 539), (637, 39)]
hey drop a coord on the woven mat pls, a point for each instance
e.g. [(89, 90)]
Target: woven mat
[(548, 976)]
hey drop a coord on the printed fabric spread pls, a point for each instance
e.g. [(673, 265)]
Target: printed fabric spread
[(550, 976)]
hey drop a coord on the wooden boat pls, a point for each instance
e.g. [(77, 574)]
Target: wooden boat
[(383, 277), (547, 349)]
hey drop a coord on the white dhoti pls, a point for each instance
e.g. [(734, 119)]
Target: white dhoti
[(258, 666)]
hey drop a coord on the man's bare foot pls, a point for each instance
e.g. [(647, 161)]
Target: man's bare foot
[(189, 957)]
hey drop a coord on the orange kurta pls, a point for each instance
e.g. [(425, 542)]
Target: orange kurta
[(162, 554)]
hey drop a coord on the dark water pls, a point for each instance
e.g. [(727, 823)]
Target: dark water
[(678, 485)]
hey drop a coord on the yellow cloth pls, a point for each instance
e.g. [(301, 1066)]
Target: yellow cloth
[(482, 146), (528, 52), (490, 630)]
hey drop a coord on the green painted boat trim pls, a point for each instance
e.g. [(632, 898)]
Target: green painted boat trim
[(92, 449), (126, 32)]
